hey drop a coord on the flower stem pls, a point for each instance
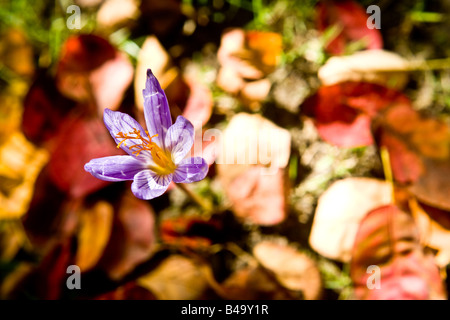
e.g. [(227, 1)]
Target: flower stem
[(195, 197)]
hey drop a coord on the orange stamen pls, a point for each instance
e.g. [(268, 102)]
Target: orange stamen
[(146, 144)]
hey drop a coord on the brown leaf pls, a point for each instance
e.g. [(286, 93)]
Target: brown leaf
[(94, 231), (176, 278), (132, 239), (255, 283), (388, 238), (129, 291), (419, 150), (433, 233), (339, 212), (293, 269)]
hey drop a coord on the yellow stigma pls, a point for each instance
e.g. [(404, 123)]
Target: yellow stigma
[(162, 159), (146, 144)]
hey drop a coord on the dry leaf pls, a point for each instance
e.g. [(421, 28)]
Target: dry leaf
[(115, 14), (432, 233), (14, 279), (92, 71), (132, 239), (79, 141), (20, 164), (16, 52), (152, 56), (376, 66), (129, 291), (246, 57), (190, 231), (93, 235), (10, 113), (44, 110), (344, 112), (155, 57), (351, 19), (387, 238), (293, 269), (252, 139), (339, 212), (176, 278), (255, 283), (257, 192)]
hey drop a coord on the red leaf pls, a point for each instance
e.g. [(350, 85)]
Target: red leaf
[(92, 71), (388, 238), (343, 112), (44, 110), (79, 141), (352, 19), (406, 165)]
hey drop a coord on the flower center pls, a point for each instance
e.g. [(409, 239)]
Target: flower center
[(163, 160)]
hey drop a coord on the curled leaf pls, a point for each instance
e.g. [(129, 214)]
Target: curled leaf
[(388, 239)]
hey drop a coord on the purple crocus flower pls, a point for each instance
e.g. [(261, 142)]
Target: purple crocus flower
[(157, 156)]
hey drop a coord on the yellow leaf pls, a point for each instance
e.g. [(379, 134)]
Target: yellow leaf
[(20, 164), (94, 233)]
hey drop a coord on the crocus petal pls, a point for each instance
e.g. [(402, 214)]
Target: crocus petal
[(180, 138), (190, 170), (117, 122), (115, 168), (148, 184), (156, 109)]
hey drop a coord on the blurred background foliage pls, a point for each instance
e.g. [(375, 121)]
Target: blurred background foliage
[(248, 66)]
